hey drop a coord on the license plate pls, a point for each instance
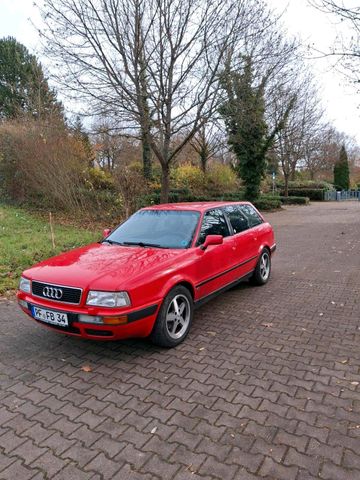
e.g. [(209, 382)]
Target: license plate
[(48, 316)]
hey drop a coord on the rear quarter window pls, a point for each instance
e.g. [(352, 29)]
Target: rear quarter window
[(251, 215)]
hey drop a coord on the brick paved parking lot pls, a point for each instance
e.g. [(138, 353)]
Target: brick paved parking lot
[(267, 385)]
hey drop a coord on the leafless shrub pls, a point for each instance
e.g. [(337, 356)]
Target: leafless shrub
[(42, 163), (131, 186)]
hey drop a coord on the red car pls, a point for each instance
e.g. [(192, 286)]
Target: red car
[(146, 276)]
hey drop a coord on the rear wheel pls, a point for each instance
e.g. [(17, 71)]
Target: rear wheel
[(263, 269), (174, 319)]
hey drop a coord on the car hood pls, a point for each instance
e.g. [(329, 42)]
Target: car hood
[(102, 266)]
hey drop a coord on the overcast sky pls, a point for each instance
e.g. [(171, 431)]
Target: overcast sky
[(339, 98)]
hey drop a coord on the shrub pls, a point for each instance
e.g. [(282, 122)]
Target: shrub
[(264, 203), (99, 179), (311, 193), (220, 178), (131, 185), (42, 163), (294, 200), (189, 177), (312, 184)]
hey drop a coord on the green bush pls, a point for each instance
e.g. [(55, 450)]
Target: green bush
[(312, 184), (220, 178), (311, 193), (188, 177), (294, 200), (264, 203), (99, 179)]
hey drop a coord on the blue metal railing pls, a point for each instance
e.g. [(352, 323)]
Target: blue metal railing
[(342, 195)]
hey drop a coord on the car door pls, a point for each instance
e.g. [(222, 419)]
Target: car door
[(214, 265), (245, 252), (259, 229)]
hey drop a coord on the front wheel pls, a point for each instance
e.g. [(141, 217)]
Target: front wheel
[(263, 269), (174, 319)]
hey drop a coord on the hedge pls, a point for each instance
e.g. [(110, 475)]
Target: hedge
[(263, 203), (267, 203), (312, 184), (294, 200), (311, 193)]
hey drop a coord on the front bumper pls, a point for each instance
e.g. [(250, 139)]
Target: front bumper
[(140, 321)]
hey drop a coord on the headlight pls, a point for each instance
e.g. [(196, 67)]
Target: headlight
[(25, 285), (108, 299)]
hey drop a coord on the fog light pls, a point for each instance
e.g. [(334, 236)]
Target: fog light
[(23, 304), (90, 319), (115, 320)]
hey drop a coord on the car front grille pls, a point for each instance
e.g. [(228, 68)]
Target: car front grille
[(51, 292)]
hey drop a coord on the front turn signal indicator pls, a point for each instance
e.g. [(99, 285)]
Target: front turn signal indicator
[(115, 320)]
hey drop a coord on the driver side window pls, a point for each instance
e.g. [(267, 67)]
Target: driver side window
[(213, 223)]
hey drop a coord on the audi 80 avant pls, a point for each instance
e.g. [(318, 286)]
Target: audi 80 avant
[(145, 277)]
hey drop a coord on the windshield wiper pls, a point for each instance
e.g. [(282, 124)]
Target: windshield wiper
[(111, 242), (144, 244)]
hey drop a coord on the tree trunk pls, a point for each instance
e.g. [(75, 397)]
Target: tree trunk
[(203, 161), (165, 183), (292, 174), (146, 155), (286, 185)]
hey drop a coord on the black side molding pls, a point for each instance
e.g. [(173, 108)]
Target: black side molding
[(273, 248), (225, 272), (143, 313), (206, 299)]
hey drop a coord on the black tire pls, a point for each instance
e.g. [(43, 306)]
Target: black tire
[(262, 271), (169, 330)]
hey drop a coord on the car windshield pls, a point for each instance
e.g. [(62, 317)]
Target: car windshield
[(157, 228)]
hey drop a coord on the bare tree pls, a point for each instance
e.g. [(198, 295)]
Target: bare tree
[(295, 141), (151, 64), (347, 45), (209, 141), (112, 148)]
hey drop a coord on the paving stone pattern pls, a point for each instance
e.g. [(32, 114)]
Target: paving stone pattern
[(267, 385)]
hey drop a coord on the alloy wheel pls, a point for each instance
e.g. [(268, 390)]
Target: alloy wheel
[(178, 316)]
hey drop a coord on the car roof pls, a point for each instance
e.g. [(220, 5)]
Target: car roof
[(198, 206)]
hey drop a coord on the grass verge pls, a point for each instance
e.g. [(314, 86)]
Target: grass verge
[(25, 239)]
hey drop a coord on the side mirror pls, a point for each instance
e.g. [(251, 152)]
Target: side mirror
[(106, 232), (212, 240)]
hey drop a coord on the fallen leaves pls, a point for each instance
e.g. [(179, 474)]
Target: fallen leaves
[(212, 334), (86, 368)]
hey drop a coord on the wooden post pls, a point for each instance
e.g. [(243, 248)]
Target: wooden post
[(52, 231)]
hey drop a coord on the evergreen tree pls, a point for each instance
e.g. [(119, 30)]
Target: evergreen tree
[(81, 135), (244, 115), (24, 90), (341, 171)]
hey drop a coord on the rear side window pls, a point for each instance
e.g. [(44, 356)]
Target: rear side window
[(251, 214), (213, 223), (238, 221)]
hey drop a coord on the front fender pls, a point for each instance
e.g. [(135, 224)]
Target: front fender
[(176, 280)]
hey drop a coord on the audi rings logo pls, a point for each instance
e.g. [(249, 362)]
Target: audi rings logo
[(52, 292)]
